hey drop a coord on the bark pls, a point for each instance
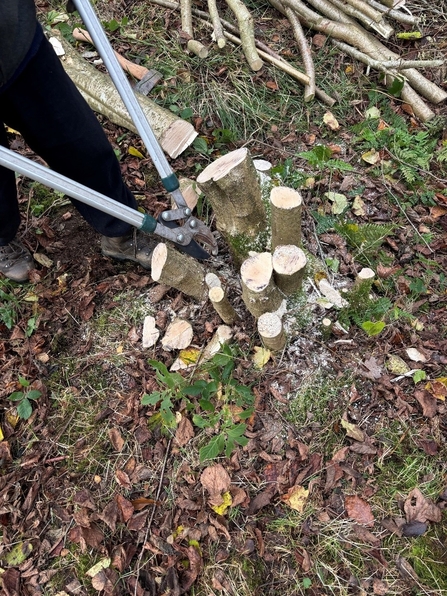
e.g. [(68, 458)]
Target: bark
[(217, 24), (246, 30), (178, 270), (259, 292), (272, 333), (289, 264), (222, 305), (393, 14), (286, 205), (233, 190), (173, 133), (194, 46), (303, 46)]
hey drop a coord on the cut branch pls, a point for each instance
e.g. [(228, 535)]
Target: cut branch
[(246, 31), (194, 46), (303, 46), (222, 305), (173, 133), (178, 270), (217, 24), (396, 15)]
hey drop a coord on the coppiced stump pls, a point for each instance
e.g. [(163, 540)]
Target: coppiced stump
[(289, 264), (232, 187), (271, 330), (286, 205), (259, 292), (222, 305)]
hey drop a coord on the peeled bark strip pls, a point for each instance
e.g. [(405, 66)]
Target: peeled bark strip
[(289, 264), (272, 333), (178, 270), (222, 305), (259, 292), (232, 187), (286, 206), (174, 134)]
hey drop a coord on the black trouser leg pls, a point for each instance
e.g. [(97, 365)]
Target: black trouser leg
[(44, 105), (9, 208)]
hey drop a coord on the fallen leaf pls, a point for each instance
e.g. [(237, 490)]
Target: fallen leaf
[(99, 566), (135, 152), (418, 508), (261, 357), (184, 431), (42, 260), (372, 157), (340, 201), (415, 355), (353, 431), (141, 503), (226, 502), (296, 498), (438, 388), (414, 528), (372, 113), (428, 403), (396, 365), (216, 480), (359, 510), (18, 554), (116, 439), (123, 479), (272, 85), (330, 121), (125, 506), (380, 588), (358, 206)]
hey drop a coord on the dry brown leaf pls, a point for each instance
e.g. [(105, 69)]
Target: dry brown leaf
[(184, 432), (123, 479), (116, 439), (216, 480), (380, 588), (353, 431), (418, 508), (296, 498), (141, 503), (358, 509), (428, 403), (125, 507)]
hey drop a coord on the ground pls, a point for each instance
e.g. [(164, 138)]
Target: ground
[(339, 485)]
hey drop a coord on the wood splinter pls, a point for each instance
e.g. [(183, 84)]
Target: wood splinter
[(222, 305), (271, 331)]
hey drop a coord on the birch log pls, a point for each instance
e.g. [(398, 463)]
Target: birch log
[(232, 187), (286, 206), (178, 270), (97, 88), (289, 264), (271, 330), (259, 292), (222, 305)]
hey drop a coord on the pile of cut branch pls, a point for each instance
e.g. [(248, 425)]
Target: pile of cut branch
[(354, 26)]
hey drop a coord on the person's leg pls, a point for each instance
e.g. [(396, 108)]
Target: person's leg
[(57, 123), (15, 261)]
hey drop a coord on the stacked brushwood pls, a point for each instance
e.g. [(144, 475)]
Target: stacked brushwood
[(356, 27)]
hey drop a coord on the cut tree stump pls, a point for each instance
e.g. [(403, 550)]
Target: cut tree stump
[(97, 88), (178, 270), (259, 292), (289, 265), (286, 205), (222, 305), (232, 187), (271, 330)]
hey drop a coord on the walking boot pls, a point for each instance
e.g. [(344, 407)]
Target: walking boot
[(15, 261), (136, 246)]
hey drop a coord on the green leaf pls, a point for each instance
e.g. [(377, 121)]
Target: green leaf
[(237, 430), (24, 409), (246, 414), (419, 375), (213, 449), (206, 405), (373, 328), (200, 145), (200, 421), (396, 86), (306, 583), (186, 113), (16, 395), (33, 394), (24, 382), (151, 399)]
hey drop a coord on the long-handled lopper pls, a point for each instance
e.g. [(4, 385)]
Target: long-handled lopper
[(184, 236)]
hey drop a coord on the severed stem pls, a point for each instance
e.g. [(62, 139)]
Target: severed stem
[(303, 46), (194, 46), (246, 30), (217, 24)]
